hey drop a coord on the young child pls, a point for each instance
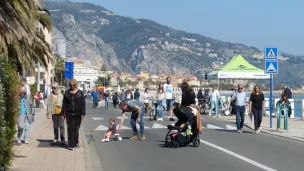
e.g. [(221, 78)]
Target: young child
[(111, 131)]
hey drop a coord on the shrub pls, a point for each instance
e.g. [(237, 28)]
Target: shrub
[(9, 102)]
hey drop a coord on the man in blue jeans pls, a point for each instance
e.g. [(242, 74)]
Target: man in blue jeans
[(240, 96), (138, 110)]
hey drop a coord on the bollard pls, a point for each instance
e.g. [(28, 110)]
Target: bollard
[(286, 106), (279, 111), (211, 107)]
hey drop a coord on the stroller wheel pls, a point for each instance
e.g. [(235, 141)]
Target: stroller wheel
[(196, 142), (168, 144), (175, 144)]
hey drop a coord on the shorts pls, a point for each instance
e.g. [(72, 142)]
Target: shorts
[(169, 103)]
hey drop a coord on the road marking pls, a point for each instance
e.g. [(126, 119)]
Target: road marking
[(157, 125), (209, 126), (101, 128), (98, 119), (119, 117), (238, 156), (123, 127), (229, 127), (138, 127)]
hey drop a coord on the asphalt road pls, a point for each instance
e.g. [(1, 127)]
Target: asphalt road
[(221, 148)]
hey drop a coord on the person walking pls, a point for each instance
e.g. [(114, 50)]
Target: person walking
[(160, 101), (74, 108), (257, 106), (26, 116), (115, 99), (168, 88), (240, 97), (147, 98), (136, 94), (54, 108)]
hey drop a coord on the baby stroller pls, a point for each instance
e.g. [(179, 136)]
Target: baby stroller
[(184, 131)]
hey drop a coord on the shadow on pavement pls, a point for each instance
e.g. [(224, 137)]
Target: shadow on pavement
[(50, 144), (233, 131)]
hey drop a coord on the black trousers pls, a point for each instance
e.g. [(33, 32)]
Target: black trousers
[(73, 122), (58, 124), (258, 115), (115, 102)]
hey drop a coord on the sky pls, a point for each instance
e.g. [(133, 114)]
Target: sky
[(258, 23)]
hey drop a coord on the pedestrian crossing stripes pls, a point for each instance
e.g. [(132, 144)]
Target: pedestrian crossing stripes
[(160, 126), (98, 119)]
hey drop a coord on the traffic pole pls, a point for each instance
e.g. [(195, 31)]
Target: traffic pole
[(270, 99)]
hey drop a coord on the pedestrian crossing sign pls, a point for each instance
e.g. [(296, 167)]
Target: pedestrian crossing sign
[(271, 67), (271, 53)]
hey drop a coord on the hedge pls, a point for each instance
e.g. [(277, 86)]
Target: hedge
[(9, 110)]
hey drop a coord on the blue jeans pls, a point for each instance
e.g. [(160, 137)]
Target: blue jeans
[(106, 102), (240, 116), (141, 123), (160, 109), (23, 127)]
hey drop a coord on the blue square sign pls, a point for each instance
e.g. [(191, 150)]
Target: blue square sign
[(271, 53), (271, 67)]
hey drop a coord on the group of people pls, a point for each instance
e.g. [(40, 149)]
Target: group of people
[(138, 109), (69, 106)]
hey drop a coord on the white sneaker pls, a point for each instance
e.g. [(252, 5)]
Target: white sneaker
[(18, 141), (26, 142), (160, 119), (103, 140), (107, 140)]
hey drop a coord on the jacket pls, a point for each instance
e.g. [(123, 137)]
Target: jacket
[(50, 104), (198, 119), (73, 106)]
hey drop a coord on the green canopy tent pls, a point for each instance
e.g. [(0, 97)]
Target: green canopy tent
[(238, 68)]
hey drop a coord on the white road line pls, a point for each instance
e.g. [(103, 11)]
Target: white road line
[(209, 126), (238, 156), (229, 127), (157, 125), (98, 119)]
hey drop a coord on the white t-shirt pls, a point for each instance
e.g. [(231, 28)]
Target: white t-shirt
[(168, 88)]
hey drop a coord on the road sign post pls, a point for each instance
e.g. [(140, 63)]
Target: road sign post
[(271, 55), (68, 72)]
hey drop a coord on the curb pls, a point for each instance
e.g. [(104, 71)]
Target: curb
[(87, 155), (265, 132), (281, 136)]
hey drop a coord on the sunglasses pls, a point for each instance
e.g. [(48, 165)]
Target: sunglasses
[(241, 88), (54, 88), (72, 85)]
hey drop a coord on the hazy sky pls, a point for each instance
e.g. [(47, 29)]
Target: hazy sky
[(258, 23)]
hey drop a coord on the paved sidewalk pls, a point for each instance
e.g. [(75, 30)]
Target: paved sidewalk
[(295, 126), (39, 154)]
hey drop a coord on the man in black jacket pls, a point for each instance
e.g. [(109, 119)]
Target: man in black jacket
[(73, 108), (288, 94)]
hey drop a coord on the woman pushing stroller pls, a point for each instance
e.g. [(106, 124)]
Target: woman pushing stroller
[(188, 115)]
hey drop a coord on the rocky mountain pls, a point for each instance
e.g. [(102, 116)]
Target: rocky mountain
[(132, 45)]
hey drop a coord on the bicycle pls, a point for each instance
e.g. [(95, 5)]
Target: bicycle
[(153, 112)]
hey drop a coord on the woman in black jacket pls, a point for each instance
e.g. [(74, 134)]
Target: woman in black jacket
[(74, 109)]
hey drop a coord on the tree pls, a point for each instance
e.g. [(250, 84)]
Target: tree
[(21, 37), (22, 44), (59, 69)]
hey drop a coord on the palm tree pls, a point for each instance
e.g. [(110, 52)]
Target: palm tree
[(21, 36)]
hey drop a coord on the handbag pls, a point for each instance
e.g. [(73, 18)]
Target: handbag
[(57, 109)]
